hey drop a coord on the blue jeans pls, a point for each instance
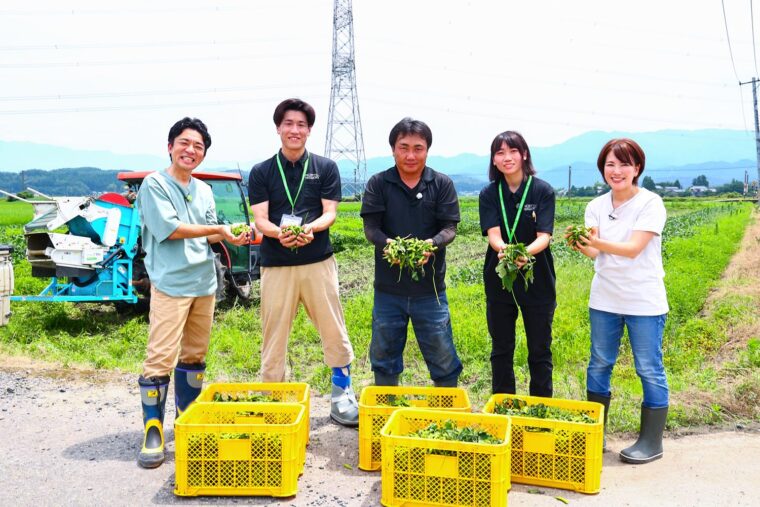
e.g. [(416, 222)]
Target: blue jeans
[(432, 327), (645, 336)]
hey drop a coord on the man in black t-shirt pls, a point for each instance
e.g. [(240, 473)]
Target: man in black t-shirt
[(300, 189), (411, 199)]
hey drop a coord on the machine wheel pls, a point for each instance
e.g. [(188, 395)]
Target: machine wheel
[(242, 287)]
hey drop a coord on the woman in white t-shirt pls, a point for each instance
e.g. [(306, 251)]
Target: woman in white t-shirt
[(628, 290)]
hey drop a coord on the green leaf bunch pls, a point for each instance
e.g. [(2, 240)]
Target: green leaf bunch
[(239, 228), (295, 230), (575, 232), (408, 253), (518, 407), (508, 270), (398, 401), (448, 430), (242, 396)]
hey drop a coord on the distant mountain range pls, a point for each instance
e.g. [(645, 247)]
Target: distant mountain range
[(721, 155)]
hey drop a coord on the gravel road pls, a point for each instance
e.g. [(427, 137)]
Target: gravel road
[(71, 437)]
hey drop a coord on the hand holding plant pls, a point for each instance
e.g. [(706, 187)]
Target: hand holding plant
[(409, 253), (576, 234), (514, 260), (289, 236)]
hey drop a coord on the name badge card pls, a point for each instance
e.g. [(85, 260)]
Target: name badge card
[(287, 220)]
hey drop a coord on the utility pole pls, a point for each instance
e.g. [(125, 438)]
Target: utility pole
[(569, 179), (754, 83), (344, 126), (746, 183)]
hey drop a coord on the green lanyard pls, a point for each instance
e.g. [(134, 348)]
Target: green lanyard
[(511, 233), (285, 183)]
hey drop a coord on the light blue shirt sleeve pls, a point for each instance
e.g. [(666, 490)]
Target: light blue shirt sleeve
[(157, 212)]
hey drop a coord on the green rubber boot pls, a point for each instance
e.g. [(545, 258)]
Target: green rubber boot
[(649, 445)]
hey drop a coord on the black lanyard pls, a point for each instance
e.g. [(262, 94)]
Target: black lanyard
[(511, 233)]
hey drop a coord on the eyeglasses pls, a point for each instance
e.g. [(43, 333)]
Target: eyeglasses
[(611, 217)]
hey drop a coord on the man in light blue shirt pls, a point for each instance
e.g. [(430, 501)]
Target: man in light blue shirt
[(178, 218)]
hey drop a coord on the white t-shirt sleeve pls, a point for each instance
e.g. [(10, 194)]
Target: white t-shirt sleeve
[(593, 212), (652, 216)]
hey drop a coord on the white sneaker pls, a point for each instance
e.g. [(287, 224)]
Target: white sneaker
[(344, 409)]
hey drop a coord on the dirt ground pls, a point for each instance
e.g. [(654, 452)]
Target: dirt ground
[(71, 437)]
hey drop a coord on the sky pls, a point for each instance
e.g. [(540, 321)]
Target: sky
[(115, 76)]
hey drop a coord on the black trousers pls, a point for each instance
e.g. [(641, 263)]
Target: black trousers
[(501, 319)]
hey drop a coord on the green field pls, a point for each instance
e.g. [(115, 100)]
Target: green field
[(699, 240)]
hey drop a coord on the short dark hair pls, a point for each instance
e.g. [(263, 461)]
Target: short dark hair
[(625, 150), (193, 124), (408, 126), (294, 105), (513, 140)]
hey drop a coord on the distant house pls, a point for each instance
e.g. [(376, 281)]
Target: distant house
[(700, 190)]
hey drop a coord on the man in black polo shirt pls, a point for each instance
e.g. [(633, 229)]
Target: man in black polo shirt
[(411, 199), (296, 187)]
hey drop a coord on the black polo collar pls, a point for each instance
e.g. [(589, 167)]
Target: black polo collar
[(518, 193), (287, 163), (393, 176)]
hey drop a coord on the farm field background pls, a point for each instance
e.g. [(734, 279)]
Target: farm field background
[(699, 239)]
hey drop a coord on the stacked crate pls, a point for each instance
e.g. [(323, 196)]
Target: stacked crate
[(377, 403), (422, 471), (226, 445), (239, 449)]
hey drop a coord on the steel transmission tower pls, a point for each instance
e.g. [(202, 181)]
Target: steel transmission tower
[(344, 126)]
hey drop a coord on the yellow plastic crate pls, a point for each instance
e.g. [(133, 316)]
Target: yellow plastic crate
[(375, 409), (238, 449), (419, 471), (293, 392), (557, 454)]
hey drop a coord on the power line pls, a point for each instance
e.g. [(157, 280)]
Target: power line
[(728, 39), (532, 119), (143, 107), (752, 22), (169, 60), (733, 64), (149, 45), (149, 93)]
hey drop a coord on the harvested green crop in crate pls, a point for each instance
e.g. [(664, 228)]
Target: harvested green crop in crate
[(448, 430), (243, 397), (397, 401), (519, 407)]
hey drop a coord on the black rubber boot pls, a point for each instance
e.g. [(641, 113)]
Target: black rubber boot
[(604, 400), (153, 397), (452, 382), (381, 379), (649, 445), (188, 382)]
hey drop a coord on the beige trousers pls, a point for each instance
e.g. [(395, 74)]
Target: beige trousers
[(316, 287), (178, 325)]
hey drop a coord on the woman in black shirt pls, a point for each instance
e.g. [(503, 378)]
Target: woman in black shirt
[(517, 207)]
